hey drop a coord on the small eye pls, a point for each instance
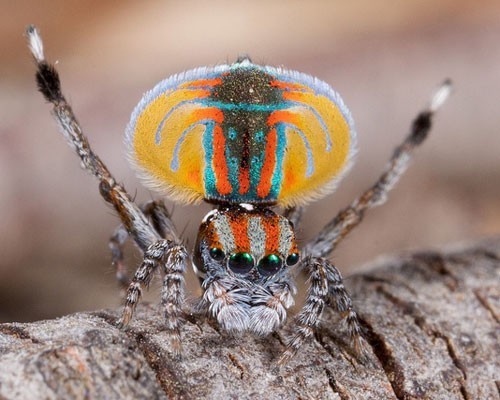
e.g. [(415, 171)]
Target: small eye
[(270, 264), (240, 263), (217, 254), (292, 259)]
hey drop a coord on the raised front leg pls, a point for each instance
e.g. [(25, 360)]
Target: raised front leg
[(148, 236), (329, 237)]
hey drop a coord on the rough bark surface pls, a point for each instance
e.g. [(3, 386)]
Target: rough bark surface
[(432, 321)]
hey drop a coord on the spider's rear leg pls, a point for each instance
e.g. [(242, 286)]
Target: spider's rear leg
[(116, 243), (326, 288), (158, 215)]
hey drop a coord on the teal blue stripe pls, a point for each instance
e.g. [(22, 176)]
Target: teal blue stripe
[(208, 137), (233, 167), (246, 106), (255, 173)]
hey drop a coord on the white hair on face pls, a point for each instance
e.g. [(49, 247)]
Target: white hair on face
[(225, 233), (257, 237), (286, 237)]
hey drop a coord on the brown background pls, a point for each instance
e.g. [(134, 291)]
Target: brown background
[(384, 57)]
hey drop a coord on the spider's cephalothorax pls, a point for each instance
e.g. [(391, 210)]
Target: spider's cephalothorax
[(255, 244), (245, 138), (246, 254)]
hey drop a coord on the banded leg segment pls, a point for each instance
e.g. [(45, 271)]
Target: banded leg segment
[(340, 301), (347, 219), (309, 317), (148, 236), (153, 256), (172, 294), (173, 258), (326, 288)]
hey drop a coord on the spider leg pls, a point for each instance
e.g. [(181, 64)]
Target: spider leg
[(49, 85), (326, 288), (155, 248), (173, 259), (116, 243), (308, 318), (161, 219), (159, 216), (348, 218), (172, 294)]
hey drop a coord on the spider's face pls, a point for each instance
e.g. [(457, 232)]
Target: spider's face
[(252, 243)]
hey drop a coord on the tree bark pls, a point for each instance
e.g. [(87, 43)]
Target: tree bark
[(431, 319)]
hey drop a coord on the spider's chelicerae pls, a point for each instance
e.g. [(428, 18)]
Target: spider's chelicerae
[(244, 138)]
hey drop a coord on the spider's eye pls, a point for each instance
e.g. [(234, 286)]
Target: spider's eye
[(292, 259), (270, 264), (240, 263), (217, 254)]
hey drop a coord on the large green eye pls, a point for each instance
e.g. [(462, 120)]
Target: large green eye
[(240, 263), (270, 264)]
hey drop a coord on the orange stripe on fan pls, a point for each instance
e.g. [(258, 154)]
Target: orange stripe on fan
[(283, 116), (244, 180), (202, 82), (289, 85), (209, 113), (267, 171), (219, 162)]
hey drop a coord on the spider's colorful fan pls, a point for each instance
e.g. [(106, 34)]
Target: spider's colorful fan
[(242, 133)]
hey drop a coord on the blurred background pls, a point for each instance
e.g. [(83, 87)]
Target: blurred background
[(384, 57)]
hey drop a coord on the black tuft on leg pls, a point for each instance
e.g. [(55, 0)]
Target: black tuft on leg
[(48, 82)]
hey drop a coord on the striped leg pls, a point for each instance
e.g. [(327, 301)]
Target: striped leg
[(153, 256), (339, 299), (50, 86), (326, 288), (308, 319), (172, 295), (148, 236)]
